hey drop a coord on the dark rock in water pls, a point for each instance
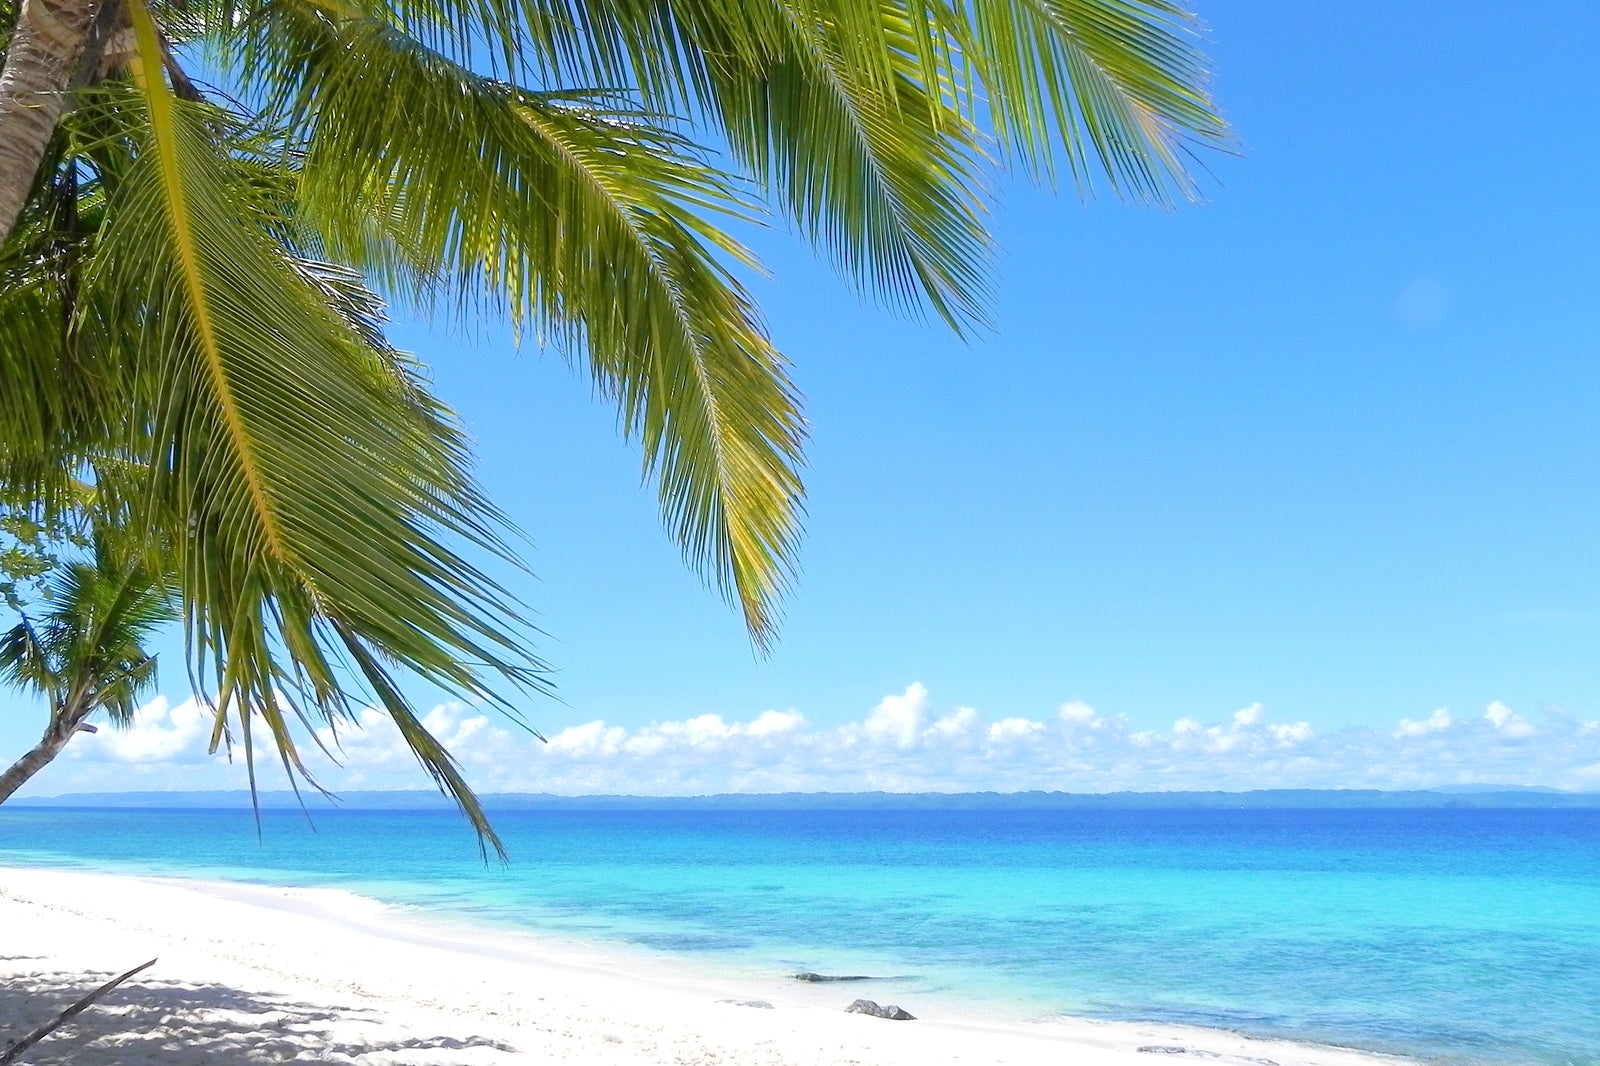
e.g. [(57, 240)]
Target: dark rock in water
[(1164, 1049), (892, 1012), (817, 978), (763, 1004)]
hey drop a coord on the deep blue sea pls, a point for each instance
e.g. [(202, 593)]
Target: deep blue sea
[(1458, 935)]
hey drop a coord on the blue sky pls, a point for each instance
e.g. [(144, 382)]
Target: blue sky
[(1326, 443)]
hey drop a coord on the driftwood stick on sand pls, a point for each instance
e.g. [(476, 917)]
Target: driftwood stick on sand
[(14, 1052)]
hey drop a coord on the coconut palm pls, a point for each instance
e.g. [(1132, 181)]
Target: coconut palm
[(85, 652), (187, 308)]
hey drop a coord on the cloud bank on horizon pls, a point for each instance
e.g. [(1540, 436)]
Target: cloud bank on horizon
[(904, 744)]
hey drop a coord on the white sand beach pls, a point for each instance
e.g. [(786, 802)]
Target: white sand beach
[(250, 974)]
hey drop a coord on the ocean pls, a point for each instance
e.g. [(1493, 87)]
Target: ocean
[(1466, 936)]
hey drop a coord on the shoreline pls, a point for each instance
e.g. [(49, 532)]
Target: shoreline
[(250, 972)]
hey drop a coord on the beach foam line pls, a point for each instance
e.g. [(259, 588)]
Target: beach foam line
[(249, 973)]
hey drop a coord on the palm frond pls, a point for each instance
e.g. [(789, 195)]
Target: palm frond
[(879, 169), (103, 614), (591, 222), (61, 396), (86, 648), (864, 118), (24, 661), (1120, 86), (311, 482)]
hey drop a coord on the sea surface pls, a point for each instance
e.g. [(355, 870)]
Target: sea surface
[(1464, 936)]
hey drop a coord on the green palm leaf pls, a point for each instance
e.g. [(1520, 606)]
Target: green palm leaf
[(54, 366), (86, 650), (863, 118), (590, 221), (314, 481), (873, 165), (1120, 85)]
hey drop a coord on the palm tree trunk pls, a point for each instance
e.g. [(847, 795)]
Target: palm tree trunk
[(55, 738), (40, 63)]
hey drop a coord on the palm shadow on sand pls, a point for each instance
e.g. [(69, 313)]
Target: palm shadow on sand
[(151, 1020)]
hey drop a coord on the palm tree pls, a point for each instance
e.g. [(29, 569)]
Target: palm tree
[(188, 317), (86, 651)]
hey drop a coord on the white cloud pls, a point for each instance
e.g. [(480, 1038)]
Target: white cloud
[(1247, 731), (160, 734), (899, 718), (1508, 722), (901, 744), (771, 723), (1080, 714), (591, 738), (1436, 722), (1009, 730), (957, 724), (1290, 734), (1084, 727)]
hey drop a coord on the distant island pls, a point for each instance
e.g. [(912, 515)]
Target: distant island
[(1479, 796)]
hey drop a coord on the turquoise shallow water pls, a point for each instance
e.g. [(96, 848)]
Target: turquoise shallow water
[(1463, 936)]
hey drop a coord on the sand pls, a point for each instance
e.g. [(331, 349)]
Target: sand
[(252, 974)]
